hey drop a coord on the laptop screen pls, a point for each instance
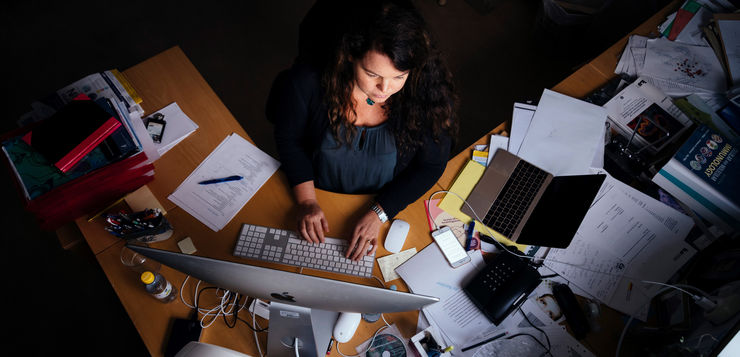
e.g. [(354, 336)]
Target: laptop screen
[(557, 216)]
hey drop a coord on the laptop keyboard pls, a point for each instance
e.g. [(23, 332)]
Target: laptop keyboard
[(517, 195), (285, 247)]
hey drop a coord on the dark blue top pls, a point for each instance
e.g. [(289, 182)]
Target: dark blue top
[(297, 109), (363, 165)]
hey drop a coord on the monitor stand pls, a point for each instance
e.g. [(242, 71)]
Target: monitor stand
[(312, 327)]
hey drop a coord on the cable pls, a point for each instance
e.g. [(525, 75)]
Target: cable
[(705, 302), (295, 346), (632, 317), (549, 346), (370, 344), (534, 338), (254, 332), (701, 338)]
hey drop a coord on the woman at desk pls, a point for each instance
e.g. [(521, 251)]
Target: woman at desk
[(379, 118)]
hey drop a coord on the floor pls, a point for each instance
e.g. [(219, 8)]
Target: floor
[(59, 300)]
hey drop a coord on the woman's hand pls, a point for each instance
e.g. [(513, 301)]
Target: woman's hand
[(311, 221), (364, 236)]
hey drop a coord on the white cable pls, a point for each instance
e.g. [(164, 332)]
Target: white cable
[(705, 302), (701, 338), (370, 344), (221, 293), (295, 346), (626, 325), (254, 331), (667, 285)]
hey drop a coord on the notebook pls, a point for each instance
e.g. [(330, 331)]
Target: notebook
[(528, 205)]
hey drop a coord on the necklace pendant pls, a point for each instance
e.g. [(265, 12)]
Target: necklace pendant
[(369, 101)]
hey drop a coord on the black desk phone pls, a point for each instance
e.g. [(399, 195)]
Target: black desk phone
[(503, 285)]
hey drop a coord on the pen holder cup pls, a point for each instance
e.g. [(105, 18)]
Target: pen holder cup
[(157, 234), (148, 226)]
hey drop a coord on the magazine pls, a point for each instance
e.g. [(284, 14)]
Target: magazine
[(643, 114)]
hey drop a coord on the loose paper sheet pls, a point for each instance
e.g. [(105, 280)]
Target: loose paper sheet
[(564, 135), (389, 263), (216, 204)]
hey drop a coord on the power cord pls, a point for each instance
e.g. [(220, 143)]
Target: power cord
[(230, 305), (704, 302), (549, 346)]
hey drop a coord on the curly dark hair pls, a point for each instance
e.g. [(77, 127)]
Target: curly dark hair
[(426, 101)]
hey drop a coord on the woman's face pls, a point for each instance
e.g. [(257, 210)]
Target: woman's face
[(377, 78)]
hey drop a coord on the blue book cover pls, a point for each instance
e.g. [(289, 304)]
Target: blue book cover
[(713, 158)]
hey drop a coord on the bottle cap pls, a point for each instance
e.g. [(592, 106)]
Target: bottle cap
[(147, 277)]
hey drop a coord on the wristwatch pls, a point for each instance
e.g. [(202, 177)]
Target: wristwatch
[(379, 211)]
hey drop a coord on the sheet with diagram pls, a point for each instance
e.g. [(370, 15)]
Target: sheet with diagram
[(216, 204)]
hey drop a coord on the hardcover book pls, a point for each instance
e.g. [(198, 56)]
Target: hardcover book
[(704, 174)]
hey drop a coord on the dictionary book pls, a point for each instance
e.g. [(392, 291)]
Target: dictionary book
[(703, 174)]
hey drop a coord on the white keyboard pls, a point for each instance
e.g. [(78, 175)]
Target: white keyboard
[(286, 247)]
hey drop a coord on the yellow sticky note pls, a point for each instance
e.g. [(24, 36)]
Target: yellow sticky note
[(462, 186)]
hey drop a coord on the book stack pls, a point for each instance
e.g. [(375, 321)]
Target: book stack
[(703, 174), (80, 149)]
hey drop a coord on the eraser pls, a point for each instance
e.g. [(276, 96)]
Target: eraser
[(186, 246)]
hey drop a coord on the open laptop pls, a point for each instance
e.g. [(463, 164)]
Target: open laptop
[(528, 205)]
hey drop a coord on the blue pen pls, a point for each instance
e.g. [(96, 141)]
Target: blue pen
[(219, 180), (471, 230)]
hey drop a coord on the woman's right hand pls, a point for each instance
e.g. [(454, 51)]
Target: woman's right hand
[(311, 221)]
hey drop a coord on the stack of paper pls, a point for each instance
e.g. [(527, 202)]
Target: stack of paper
[(216, 204), (678, 69), (455, 315), (460, 322)]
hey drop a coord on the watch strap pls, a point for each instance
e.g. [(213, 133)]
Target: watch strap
[(379, 211)]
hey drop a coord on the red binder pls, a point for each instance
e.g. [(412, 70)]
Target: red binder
[(74, 131)]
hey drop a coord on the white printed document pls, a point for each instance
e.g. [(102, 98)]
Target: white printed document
[(216, 204)]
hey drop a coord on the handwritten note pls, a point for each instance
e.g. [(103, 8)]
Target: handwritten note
[(389, 263)]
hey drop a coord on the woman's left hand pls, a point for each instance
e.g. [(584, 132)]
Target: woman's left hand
[(364, 236)]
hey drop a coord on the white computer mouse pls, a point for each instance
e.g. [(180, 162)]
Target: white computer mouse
[(346, 326), (396, 236)]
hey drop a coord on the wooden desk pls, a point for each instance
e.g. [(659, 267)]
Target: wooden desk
[(170, 77)]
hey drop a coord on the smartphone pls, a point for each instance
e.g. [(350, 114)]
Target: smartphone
[(450, 247), (182, 332), (155, 126)]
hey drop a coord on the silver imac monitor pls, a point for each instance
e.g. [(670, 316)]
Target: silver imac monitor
[(303, 308)]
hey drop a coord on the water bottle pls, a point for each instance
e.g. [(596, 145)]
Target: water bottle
[(158, 286)]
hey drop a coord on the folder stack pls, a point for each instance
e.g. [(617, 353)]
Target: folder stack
[(81, 148)]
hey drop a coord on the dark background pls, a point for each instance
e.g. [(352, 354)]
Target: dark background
[(59, 301)]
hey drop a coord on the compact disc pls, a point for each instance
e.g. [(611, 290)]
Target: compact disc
[(386, 346)]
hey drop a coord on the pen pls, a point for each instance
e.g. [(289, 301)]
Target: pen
[(471, 230), (223, 179), (484, 342), (331, 343)]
